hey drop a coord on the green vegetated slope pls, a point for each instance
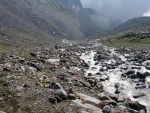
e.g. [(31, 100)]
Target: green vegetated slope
[(133, 33), (137, 25)]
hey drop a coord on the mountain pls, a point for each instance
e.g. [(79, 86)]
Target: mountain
[(45, 19), (140, 24)]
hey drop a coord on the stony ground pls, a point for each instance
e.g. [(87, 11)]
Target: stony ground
[(46, 80)]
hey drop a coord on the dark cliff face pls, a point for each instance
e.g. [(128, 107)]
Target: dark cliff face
[(46, 18)]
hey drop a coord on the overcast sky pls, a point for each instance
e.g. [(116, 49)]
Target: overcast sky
[(115, 11)]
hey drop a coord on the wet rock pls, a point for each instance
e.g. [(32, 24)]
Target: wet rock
[(102, 79), (102, 69), (106, 109), (148, 67), (123, 75), (146, 74), (85, 65), (141, 75), (117, 85), (139, 95), (103, 97), (130, 72), (135, 67), (121, 98), (117, 91), (61, 93), (136, 105), (113, 96), (133, 76), (89, 74), (140, 86), (93, 68), (92, 82)]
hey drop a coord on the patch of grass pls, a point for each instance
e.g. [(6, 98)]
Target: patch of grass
[(3, 75), (9, 103), (127, 42)]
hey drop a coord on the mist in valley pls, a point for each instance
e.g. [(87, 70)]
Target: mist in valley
[(112, 13)]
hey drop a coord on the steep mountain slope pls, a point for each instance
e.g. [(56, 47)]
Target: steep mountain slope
[(45, 19), (140, 24)]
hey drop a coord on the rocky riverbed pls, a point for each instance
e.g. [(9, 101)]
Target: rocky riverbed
[(76, 79)]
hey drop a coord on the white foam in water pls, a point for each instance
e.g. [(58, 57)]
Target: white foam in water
[(115, 74)]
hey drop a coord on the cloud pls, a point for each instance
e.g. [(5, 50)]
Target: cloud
[(147, 13), (113, 12)]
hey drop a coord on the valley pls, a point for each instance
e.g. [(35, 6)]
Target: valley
[(58, 56), (76, 78)]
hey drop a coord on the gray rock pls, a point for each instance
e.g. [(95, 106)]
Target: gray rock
[(121, 98), (139, 95), (130, 72), (106, 109), (87, 98), (19, 88), (141, 75), (142, 111), (2, 112), (148, 67), (61, 93), (117, 85), (55, 86), (92, 108)]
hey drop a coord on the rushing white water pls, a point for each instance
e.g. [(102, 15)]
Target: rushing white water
[(127, 86)]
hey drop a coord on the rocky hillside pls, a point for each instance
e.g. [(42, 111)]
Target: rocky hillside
[(140, 24), (45, 19)]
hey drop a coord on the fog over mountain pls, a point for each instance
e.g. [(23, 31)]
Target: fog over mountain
[(113, 12)]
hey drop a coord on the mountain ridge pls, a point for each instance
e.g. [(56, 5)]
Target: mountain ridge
[(138, 24), (46, 19)]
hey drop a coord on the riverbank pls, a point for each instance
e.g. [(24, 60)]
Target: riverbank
[(75, 79)]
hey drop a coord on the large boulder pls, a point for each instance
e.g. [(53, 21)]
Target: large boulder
[(61, 93)]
